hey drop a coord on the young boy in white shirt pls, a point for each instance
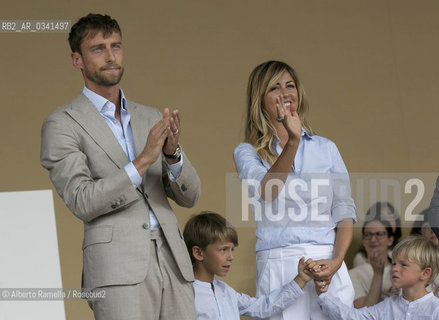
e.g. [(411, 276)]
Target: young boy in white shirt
[(210, 240), (415, 263)]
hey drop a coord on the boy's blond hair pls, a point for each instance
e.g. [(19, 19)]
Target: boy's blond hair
[(420, 250)]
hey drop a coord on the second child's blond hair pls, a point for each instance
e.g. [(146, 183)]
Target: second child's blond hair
[(419, 250)]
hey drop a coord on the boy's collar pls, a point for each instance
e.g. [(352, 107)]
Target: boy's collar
[(427, 296), (203, 283)]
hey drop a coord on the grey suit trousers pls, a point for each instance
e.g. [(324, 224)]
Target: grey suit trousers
[(163, 295)]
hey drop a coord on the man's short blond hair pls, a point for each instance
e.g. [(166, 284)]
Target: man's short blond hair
[(419, 250)]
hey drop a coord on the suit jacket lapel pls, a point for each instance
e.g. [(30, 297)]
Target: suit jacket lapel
[(88, 117)]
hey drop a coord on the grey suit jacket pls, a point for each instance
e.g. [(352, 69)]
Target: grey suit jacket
[(86, 165)]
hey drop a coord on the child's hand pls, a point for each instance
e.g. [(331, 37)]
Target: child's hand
[(321, 286), (303, 275)]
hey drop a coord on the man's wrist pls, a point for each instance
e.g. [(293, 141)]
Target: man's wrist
[(172, 161), (175, 155), (142, 163)]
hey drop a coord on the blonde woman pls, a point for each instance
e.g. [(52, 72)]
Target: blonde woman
[(298, 188)]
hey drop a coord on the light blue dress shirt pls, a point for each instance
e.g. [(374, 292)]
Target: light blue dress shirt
[(224, 303), (315, 197), (124, 136), (393, 308)]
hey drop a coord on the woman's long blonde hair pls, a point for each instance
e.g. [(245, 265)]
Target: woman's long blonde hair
[(259, 131)]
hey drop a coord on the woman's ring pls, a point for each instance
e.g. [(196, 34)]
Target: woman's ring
[(322, 284), (279, 119), (175, 132)]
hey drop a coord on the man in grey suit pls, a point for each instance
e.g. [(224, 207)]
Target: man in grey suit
[(115, 163)]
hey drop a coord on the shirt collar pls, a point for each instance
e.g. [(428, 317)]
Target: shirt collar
[(420, 300), (99, 101), (306, 134), (203, 283)]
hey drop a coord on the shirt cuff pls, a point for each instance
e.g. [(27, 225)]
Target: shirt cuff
[(344, 211), (133, 174), (175, 169), (321, 299), (296, 288)]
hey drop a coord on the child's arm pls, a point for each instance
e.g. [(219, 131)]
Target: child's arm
[(337, 310), (265, 306), (277, 300), (313, 269)]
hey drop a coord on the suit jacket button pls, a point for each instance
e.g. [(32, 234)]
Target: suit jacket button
[(113, 206), (183, 187), (146, 225)]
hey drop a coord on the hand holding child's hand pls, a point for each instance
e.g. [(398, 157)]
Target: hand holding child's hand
[(307, 271), (324, 269), (313, 268)]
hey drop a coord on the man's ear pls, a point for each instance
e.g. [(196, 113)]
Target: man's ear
[(77, 60), (198, 253), (426, 273)]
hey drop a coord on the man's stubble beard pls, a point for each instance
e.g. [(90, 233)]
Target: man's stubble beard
[(101, 79)]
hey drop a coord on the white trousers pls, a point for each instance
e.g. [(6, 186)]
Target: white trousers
[(276, 267)]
